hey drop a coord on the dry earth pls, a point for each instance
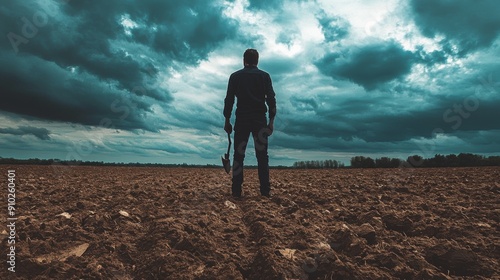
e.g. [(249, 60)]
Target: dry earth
[(160, 223)]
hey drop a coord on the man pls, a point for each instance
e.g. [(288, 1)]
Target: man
[(253, 89)]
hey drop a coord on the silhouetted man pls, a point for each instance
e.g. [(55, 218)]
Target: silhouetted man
[(253, 89)]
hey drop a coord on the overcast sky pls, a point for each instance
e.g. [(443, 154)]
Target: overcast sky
[(144, 81)]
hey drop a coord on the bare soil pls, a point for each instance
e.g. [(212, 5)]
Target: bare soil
[(176, 223)]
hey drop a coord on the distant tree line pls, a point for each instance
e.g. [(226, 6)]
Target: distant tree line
[(318, 164), (451, 160), (368, 162), (36, 161)]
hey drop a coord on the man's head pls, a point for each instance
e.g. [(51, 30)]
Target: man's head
[(251, 57)]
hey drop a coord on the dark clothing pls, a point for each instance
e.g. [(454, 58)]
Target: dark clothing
[(253, 89), (259, 131)]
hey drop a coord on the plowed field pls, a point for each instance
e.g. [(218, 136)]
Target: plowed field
[(181, 223)]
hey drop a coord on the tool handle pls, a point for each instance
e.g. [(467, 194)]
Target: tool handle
[(229, 146)]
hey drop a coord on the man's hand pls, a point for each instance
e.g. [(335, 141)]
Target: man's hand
[(228, 127)]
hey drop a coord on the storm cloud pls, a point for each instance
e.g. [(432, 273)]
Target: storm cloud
[(83, 61), (470, 25), (334, 28), (40, 133), (370, 65), (144, 81)]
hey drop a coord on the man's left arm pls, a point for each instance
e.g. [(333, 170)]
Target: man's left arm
[(271, 104)]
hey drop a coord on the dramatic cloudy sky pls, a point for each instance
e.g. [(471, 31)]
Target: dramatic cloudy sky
[(144, 81)]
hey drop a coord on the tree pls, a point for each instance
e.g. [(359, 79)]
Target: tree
[(362, 162), (470, 160), (383, 162), (395, 162), (415, 160)]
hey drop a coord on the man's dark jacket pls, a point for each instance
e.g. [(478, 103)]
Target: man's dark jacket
[(253, 88)]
